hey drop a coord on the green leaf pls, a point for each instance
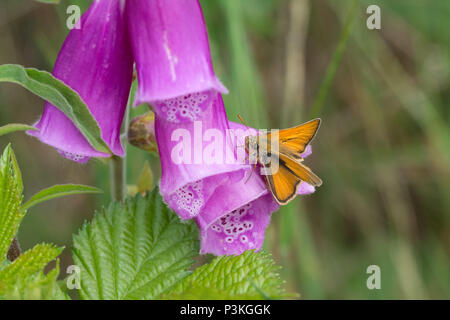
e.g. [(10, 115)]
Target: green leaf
[(11, 188), (60, 95), (4, 264), (28, 263), (60, 291), (13, 127), (58, 191), (247, 276), (136, 250), (34, 287)]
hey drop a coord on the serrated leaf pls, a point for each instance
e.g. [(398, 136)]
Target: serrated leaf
[(57, 191), (59, 293), (29, 262), (11, 188), (136, 250), (14, 127), (38, 286), (250, 275), (4, 264), (16, 171), (61, 96)]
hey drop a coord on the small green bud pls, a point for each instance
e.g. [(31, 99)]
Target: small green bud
[(141, 132)]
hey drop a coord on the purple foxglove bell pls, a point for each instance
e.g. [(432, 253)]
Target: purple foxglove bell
[(171, 50), (196, 157), (95, 61), (236, 216), (238, 213), (202, 178), (175, 74)]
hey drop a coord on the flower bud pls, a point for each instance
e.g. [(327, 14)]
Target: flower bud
[(141, 132)]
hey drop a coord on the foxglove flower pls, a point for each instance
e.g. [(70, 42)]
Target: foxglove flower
[(196, 156), (171, 50), (95, 61), (201, 176), (232, 213), (169, 43), (175, 73), (238, 213)]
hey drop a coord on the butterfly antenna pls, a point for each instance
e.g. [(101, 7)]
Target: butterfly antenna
[(240, 118)]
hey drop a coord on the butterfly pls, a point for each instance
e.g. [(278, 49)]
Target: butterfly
[(283, 165)]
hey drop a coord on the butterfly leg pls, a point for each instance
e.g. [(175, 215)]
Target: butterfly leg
[(253, 169)]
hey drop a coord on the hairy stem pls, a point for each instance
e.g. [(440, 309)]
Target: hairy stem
[(118, 165)]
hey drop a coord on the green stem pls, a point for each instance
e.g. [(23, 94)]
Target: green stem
[(117, 173), (118, 165)]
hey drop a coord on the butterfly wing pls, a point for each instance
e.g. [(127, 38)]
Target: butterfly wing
[(301, 171), (285, 181), (282, 185), (293, 141)]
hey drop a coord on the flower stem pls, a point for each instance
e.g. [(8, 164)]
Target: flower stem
[(14, 250), (117, 174), (118, 165)]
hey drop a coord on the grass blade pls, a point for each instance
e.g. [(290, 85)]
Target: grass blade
[(334, 64)]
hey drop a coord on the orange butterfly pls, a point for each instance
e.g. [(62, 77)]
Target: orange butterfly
[(284, 171)]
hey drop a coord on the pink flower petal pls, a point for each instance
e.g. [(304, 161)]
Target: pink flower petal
[(171, 49)]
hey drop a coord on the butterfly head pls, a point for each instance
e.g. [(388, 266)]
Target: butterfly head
[(251, 144)]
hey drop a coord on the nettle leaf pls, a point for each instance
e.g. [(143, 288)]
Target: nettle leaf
[(60, 291), (57, 191), (14, 127), (28, 263), (61, 96), (250, 275), (38, 286), (4, 264), (136, 250), (25, 279), (11, 188)]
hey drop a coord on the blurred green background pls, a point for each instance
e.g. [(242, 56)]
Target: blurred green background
[(383, 150)]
